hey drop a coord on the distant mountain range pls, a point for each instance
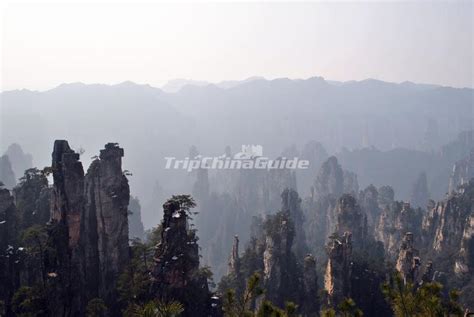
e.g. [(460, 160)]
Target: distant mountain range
[(176, 85), (150, 123)]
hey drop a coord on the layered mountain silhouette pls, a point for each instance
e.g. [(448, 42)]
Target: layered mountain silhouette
[(358, 121)]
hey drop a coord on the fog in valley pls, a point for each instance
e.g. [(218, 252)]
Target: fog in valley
[(384, 133), (105, 109)]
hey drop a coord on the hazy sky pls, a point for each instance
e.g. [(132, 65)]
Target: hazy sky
[(45, 44)]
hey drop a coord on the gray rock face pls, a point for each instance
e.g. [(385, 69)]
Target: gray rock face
[(67, 208), (279, 259), (68, 191), (285, 276), (444, 224), (350, 183), (463, 171), (316, 154), (321, 210), (20, 160), (90, 212), (135, 224), (107, 199), (176, 271), (396, 220), (201, 186), (7, 177), (428, 274), (291, 204), (408, 262), (465, 264), (237, 196), (234, 259), (337, 278), (386, 196), (330, 179), (310, 286), (319, 223), (350, 218), (369, 201), (278, 245), (171, 270), (448, 228), (259, 191), (420, 194), (354, 257)]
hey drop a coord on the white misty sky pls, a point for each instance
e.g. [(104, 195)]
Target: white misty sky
[(45, 44)]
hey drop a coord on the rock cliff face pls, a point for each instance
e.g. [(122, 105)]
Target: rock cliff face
[(319, 222), (386, 196), (444, 224), (448, 229), (135, 224), (89, 227), (219, 221), (270, 252), (337, 278), (7, 177), (105, 217), (234, 259), (20, 160), (369, 202), (68, 191), (350, 183), (201, 186), (176, 273), (396, 220), (310, 298), (236, 272), (428, 274), (67, 207), (258, 191), (355, 266), (408, 262), (236, 197), (350, 218), (291, 204), (420, 193), (465, 262), (316, 154), (278, 258), (463, 171), (330, 180), (321, 210)]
